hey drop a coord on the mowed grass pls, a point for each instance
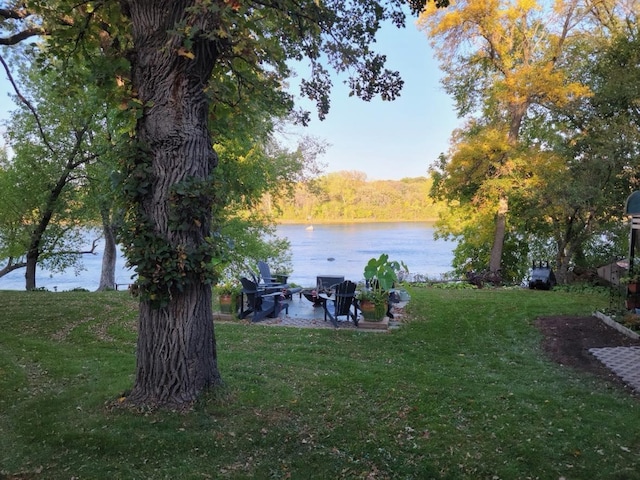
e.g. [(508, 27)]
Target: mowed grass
[(462, 390)]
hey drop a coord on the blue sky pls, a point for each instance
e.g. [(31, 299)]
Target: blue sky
[(391, 140), (385, 140)]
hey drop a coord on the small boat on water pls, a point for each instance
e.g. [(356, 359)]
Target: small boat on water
[(310, 227)]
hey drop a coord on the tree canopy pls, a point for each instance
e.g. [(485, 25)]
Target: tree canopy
[(540, 166), (188, 70), (54, 139)]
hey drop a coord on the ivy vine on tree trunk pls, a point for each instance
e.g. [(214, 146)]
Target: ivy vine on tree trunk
[(168, 240), (167, 179)]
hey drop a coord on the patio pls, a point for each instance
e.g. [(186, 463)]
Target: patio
[(303, 314)]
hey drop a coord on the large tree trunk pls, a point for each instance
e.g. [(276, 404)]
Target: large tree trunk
[(562, 264), (495, 261), (30, 271), (176, 355), (109, 256), (517, 112), (176, 350)]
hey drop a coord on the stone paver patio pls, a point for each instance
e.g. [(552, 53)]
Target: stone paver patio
[(623, 361)]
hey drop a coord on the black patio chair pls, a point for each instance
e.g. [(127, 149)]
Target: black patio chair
[(267, 279), (340, 303), (260, 302), (272, 283)]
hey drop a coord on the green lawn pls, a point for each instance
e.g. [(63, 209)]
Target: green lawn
[(463, 390)]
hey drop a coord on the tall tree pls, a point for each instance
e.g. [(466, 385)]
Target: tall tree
[(180, 50), (501, 57), (581, 200), (45, 190), (177, 46)]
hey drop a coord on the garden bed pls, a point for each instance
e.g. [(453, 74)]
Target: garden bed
[(617, 325), (567, 340)]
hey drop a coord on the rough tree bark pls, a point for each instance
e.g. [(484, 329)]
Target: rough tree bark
[(109, 256), (517, 112), (176, 354), (495, 260)]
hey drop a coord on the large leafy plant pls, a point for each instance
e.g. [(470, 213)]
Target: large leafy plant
[(381, 274)]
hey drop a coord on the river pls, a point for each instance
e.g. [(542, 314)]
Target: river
[(344, 249), (327, 249)]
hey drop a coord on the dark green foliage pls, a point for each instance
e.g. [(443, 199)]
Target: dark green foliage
[(418, 5), (190, 203)]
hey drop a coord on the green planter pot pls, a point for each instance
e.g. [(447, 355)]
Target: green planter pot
[(372, 312)]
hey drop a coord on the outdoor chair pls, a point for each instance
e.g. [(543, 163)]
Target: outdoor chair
[(340, 303), (260, 302), (324, 283), (327, 282), (272, 283)]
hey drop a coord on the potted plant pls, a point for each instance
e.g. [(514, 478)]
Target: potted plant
[(227, 291), (372, 303), (380, 274), (632, 281)]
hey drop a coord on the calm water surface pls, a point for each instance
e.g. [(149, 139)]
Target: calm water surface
[(349, 245), (88, 276), (344, 249)]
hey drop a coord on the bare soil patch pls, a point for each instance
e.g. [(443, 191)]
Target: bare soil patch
[(567, 341)]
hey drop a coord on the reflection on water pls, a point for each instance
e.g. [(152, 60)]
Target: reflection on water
[(344, 249), (349, 245), (88, 276)]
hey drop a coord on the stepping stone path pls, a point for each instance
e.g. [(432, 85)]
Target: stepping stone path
[(623, 361)]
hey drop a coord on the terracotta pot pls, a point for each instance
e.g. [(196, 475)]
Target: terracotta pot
[(372, 312), (633, 287), (225, 301)]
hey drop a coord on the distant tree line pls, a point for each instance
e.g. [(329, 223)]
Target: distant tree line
[(349, 196)]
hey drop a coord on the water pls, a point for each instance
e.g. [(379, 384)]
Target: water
[(349, 245), (344, 249), (86, 276)]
